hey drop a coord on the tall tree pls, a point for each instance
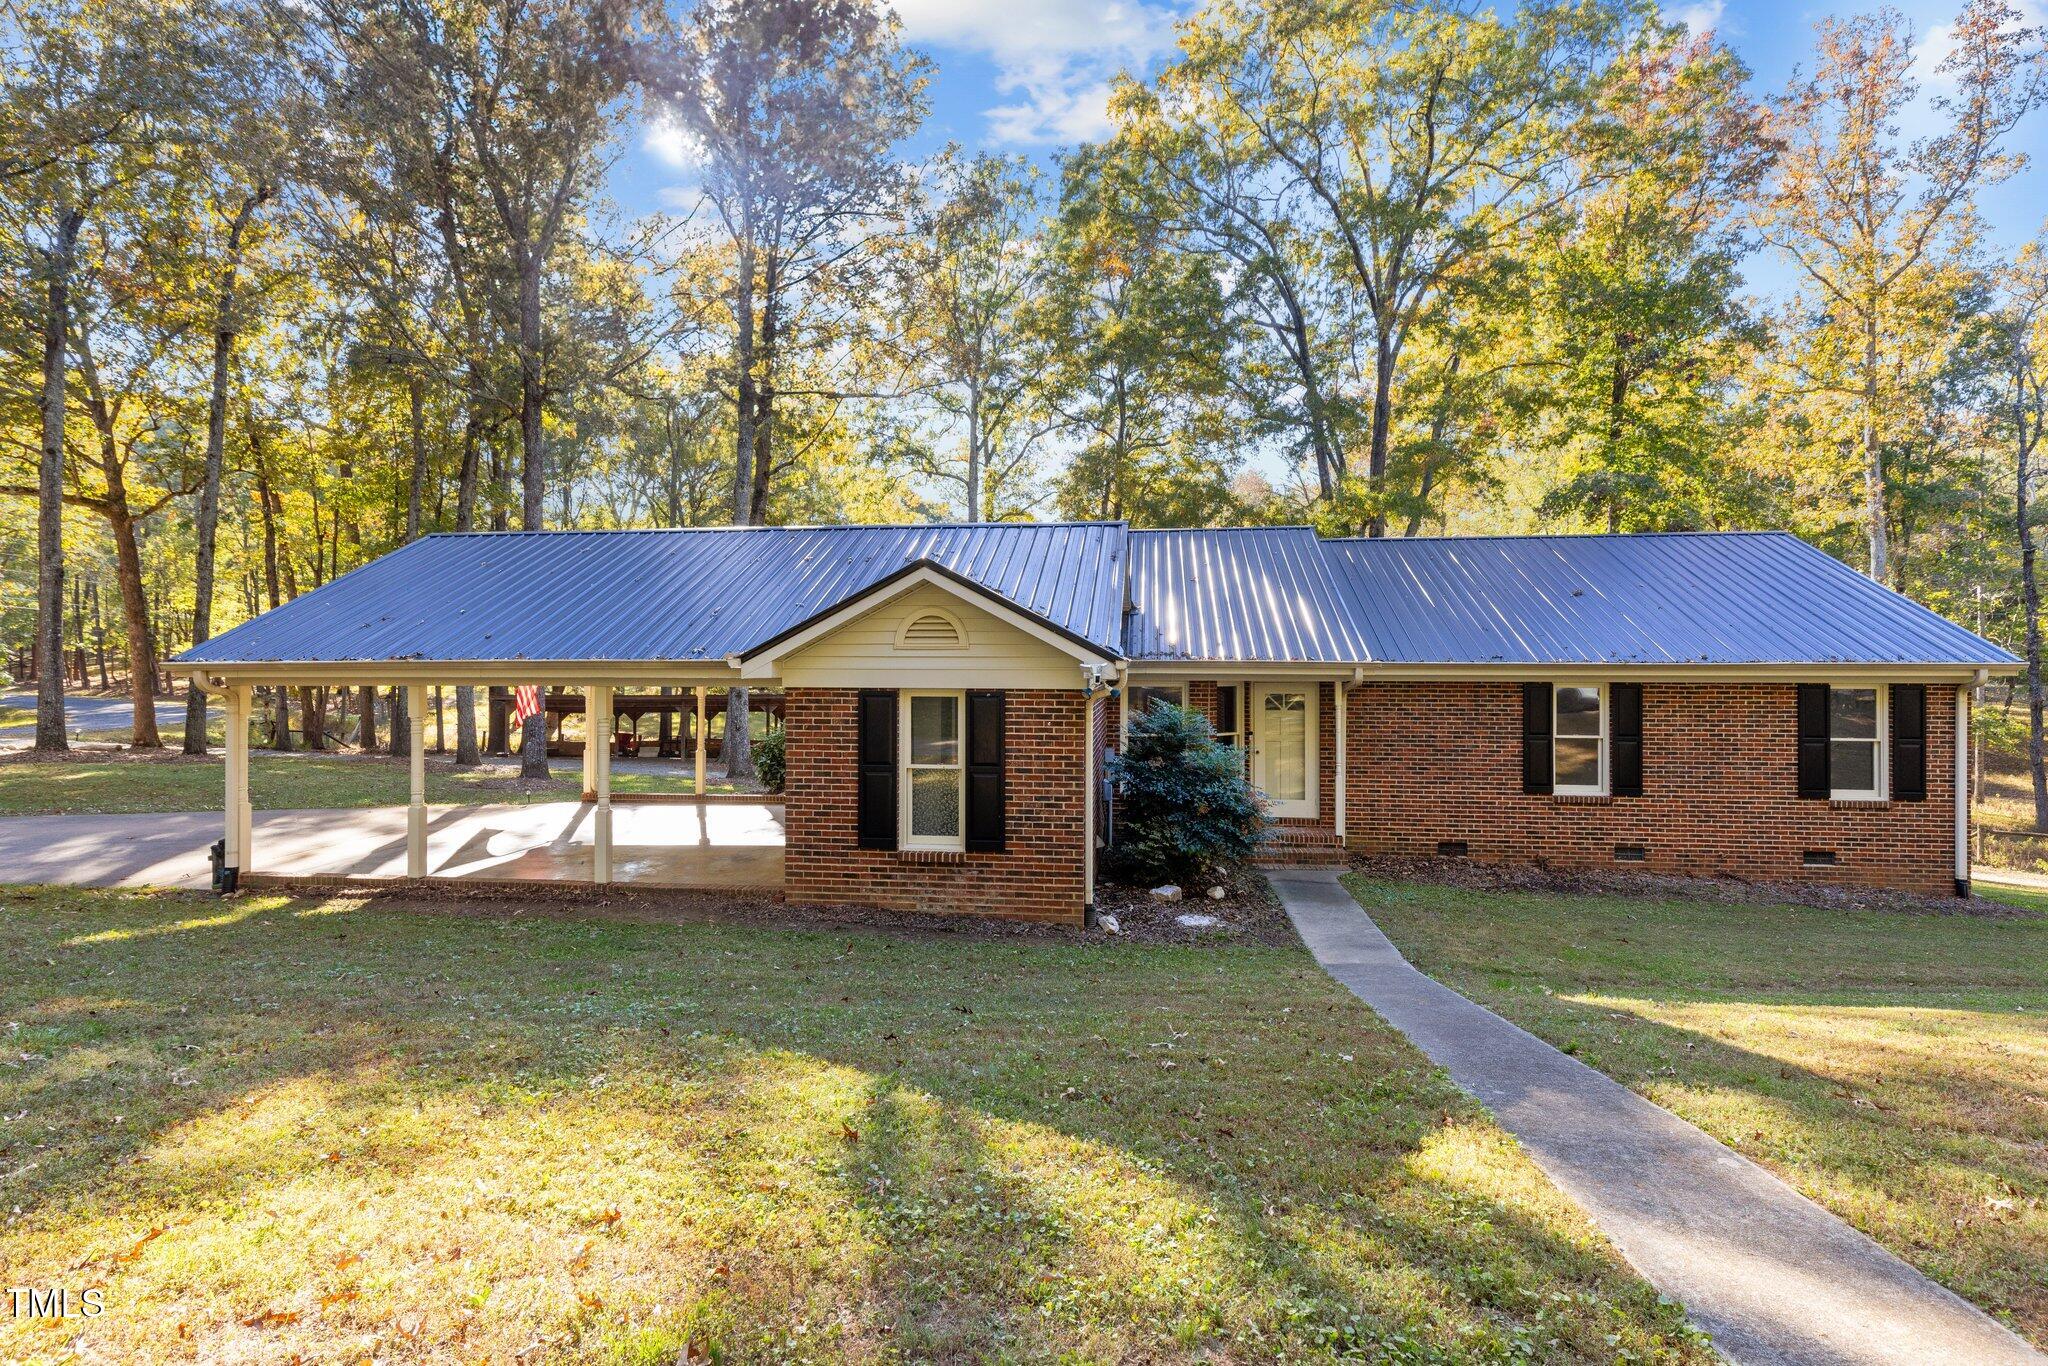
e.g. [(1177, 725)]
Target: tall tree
[(1421, 137), (1139, 340), (1860, 209), (794, 109), (966, 281), (526, 99), (1640, 328), (2022, 324), (92, 87)]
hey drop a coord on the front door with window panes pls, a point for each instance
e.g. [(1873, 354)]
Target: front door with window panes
[(934, 792), (1283, 747)]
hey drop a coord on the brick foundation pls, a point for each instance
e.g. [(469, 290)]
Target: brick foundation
[(1039, 876), (1434, 762)]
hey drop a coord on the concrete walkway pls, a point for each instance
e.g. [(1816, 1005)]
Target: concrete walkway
[(657, 844), (1773, 1276)]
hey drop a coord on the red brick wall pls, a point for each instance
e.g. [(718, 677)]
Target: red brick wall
[(1442, 761), (1038, 876)]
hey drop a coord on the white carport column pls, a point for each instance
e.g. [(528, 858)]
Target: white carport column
[(701, 690), (416, 760), (601, 738), (236, 808)]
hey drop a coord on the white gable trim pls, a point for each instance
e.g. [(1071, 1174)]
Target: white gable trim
[(766, 662)]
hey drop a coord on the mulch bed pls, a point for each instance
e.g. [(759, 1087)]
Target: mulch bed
[(1476, 876)]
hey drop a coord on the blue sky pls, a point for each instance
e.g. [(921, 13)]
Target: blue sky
[(1031, 76)]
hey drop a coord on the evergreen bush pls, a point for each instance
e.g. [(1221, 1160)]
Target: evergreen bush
[(1183, 803)]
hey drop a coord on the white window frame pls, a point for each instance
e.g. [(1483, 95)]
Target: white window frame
[(1599, 788), (1881, 742), (904, 838)]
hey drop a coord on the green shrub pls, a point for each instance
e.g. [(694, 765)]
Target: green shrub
[(1183, 804), (768, 760)]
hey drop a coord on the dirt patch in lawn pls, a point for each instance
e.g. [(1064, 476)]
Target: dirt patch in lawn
[(1473, 875), (1247, 914)]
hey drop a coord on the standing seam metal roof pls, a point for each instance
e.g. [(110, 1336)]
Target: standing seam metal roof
[(1670, 598), (1250, 595), (1237, 596), (664, 595)]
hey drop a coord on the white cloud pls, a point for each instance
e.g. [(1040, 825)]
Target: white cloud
[(1054, 58), (1704, 16)]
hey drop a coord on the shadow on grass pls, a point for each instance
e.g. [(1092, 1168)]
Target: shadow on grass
[(1893, 1066), (616, 1138)]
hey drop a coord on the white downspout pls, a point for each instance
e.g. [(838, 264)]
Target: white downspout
[(1962, 749), (1092, 688)]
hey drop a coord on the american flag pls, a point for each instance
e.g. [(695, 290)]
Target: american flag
[(525, 703)]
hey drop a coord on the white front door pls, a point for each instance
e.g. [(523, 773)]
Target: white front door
[(1283, 718)]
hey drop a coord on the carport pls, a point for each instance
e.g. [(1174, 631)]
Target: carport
[(700, 840)]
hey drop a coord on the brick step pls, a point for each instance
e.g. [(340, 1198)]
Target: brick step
[(1298, 847)]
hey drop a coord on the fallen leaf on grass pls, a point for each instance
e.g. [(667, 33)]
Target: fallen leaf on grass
[(144, 1241), (589, 1301), (332, 1298), (272, 1318), (345, 1260), (581, 1259), (847, 1133), (606, 1219)]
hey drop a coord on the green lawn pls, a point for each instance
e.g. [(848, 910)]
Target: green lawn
[(173, 782), (272, 1129), (1893, 1066)]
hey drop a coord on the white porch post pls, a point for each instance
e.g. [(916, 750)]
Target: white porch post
[(236, 808), (416, 760), (589, 743), (601, 857), (701, 727), (1342, 693), (1962, 794)]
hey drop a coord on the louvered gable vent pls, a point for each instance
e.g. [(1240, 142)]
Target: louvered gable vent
[(930, 631)]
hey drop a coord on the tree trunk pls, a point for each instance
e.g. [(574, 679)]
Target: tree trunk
[(1382, 426), (366, 734), (50, 486), (401, 724), (2030, 587), (135, 613), (1873, 459), (533, 748), (466, 754), (208, 517), (312, 723)]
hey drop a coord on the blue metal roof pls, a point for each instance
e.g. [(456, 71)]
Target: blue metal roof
[(664, 595), (1680, 598), (1253, 595), (1250, 596)]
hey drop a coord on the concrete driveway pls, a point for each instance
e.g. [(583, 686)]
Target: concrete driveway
[(656, 844)]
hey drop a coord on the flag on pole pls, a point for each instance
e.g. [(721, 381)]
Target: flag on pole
[(525, 703)]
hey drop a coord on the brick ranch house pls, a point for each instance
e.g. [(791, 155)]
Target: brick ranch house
[(1704, 704)]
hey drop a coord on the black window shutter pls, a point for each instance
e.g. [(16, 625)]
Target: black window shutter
[(877, 803), (1536, 724), (1625, 739), (1814, 780), (1909, 742), (985, 772)]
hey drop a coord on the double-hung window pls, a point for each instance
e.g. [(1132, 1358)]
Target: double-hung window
[(1856, 730), (1579, 746), (933, 779)]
